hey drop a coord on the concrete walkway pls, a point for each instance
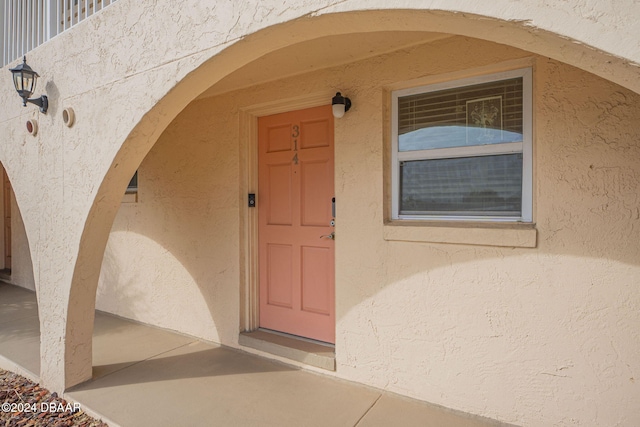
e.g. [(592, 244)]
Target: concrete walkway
[(144, 376)]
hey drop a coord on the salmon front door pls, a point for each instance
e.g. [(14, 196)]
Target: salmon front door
[(295, 214)]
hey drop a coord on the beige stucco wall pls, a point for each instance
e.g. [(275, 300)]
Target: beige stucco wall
[(129, 70), (532, 336), (172, 257)]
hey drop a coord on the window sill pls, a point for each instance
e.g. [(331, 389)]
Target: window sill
[(503, 235), (130, 197)]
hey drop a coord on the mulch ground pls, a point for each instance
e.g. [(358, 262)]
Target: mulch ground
[(25, 404)]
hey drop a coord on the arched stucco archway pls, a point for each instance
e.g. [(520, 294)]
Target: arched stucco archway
[(209, 68)]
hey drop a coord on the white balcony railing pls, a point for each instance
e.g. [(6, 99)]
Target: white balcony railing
[(27, 24)]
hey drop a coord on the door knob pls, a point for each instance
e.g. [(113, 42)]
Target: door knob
[(331, 236)]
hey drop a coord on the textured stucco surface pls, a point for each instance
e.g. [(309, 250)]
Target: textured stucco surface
[(172, 257), (531, 336), (131, 69)]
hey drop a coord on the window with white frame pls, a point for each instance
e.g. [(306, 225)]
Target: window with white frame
[(133, 184), (462, 150)]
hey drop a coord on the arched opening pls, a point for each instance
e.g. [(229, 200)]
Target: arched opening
[(200, 168), (19, 319), (189, 205)]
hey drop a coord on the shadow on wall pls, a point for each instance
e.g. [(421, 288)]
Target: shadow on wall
[(172, 257), (22, 266), (121, 281), (152, 286)]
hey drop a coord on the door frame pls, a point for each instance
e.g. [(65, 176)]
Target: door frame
[(248, 139)]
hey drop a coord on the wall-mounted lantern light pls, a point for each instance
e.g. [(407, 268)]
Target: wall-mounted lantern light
[(24, 80), (340, 105)]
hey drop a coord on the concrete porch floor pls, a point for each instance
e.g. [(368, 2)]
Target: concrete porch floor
[(144, 376)]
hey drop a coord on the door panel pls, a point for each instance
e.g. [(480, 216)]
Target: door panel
[(318, 133), (314, 192), (279, 138), (295, 170), (315, 268), (280, 187), (280, 283)]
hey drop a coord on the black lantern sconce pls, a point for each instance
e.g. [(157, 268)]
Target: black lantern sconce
[(340, 105), (24, 80)]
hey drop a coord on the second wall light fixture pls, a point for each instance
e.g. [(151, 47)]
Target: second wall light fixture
[(340, 105)]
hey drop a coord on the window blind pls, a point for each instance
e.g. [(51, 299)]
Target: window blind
[(462, 116)]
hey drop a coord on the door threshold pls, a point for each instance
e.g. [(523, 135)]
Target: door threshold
[(309, 352)]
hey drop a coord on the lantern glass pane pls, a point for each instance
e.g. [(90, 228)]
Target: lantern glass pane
[(17, 81), (29, 82)]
